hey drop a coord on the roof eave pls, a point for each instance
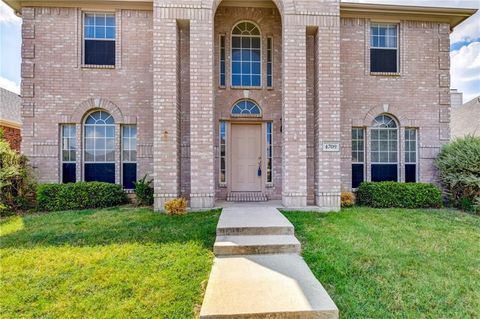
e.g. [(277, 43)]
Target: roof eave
[(454, 16)]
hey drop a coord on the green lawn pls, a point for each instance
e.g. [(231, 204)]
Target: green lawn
[(395, 263), (111, 263)]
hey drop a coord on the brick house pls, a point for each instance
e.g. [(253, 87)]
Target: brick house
[(295, 100), (10, 119)]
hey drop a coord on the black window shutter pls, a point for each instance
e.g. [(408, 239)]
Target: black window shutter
[(99, 52), (383, 60)]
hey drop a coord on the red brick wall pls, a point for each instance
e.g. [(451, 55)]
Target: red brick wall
[(12, 135)]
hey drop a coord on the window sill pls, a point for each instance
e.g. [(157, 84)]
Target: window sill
[(246, 87), (97, 66), (222, 185), (269, 185), (385, 73)]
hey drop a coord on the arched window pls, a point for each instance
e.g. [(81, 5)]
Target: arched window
[(246, 55), (246, 108), (99, 147), (384, 149)]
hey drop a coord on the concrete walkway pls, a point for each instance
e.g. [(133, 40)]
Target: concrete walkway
[(258, 272)]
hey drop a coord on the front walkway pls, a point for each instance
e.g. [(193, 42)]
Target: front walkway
[(258, 272)]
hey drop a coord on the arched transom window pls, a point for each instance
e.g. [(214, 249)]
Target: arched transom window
[(384, 149), (246, 55), (246, 108), (99, 147)]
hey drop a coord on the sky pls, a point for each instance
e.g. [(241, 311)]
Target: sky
[(464, 49)]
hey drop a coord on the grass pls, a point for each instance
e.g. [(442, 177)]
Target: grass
[(111, 263), (395, 263)]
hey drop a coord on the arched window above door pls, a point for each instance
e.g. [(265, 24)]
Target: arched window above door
[(246, 108), (246, 55)]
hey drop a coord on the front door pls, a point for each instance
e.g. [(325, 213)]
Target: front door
[(246, 157)]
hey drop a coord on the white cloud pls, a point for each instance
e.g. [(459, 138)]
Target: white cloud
[(468, 30), (465, 70), (7, 15), (9, 85)]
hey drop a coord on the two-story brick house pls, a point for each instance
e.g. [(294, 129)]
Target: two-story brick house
[(290, 99)]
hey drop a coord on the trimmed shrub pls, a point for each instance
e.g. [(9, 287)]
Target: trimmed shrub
[(459, 168), (402, 195), (177, 206), (81, 195), (144, 191), (347, 199)]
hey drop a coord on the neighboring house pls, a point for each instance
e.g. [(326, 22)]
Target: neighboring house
[(456, 98), (293, 99), (10, 118), (466, 119)]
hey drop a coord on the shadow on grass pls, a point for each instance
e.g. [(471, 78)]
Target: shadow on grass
[(108, 226)]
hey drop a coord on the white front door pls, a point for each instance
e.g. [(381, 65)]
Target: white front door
[(246, 157)]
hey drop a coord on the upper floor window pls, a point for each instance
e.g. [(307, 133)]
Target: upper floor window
[(222, 61), (384, 47), (246, 55), (99, 38), (269, 62)]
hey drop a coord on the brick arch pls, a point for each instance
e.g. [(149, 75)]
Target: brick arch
[(91, 104), (392, 111), (278, 3)]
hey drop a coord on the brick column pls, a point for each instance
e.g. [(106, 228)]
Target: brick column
[(202, 193), (327, 114), (166, 140), (294, 173)]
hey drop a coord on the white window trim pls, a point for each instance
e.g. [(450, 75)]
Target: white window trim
[(397, 24), (231, 56), (269, 183), (224, 123), (364, 144), (220, 36), (416, 150), (270, 50), (84, 38), (397, 128), (84, 141)]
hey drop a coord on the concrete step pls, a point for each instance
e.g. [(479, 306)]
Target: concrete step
[(255, 221), (265, 286), (256, 244), (246, 197)]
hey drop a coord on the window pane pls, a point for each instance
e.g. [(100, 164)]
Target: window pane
[(100, 19), (89, 19), (100, 32), (110, 21), (110, 33)]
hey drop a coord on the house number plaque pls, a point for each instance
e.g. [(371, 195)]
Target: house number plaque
[(331, 147)]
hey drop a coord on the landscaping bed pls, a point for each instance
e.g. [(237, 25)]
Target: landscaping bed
[(395, 263), (111, 263)]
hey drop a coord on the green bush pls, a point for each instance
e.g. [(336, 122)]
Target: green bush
[(81, 195), (403, 195), (459, 168), (17, 185), (144, 191)]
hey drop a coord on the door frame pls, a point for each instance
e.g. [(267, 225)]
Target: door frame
[(263, 140)]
